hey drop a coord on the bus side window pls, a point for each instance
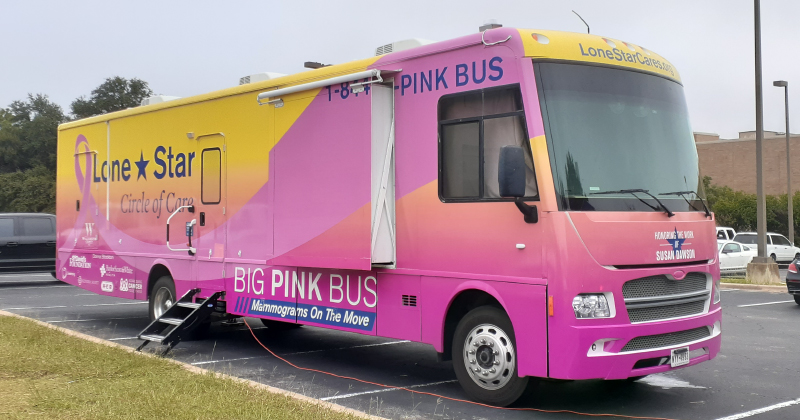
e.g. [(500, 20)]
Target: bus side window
[(473, 127), (211, 176)]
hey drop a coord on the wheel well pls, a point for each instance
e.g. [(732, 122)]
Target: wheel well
[(156, 273), (461, 305)]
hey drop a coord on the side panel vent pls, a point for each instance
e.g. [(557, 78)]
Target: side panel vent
[(409, 300)]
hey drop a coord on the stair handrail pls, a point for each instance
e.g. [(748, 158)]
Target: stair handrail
[(192, 250)]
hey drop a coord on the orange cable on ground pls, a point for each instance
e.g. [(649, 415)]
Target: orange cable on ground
[(442, 396)]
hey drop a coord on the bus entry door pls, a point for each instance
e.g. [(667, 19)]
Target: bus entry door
[(210, 211)]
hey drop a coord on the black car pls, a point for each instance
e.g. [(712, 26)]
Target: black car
[(793, 280), (27, 243)]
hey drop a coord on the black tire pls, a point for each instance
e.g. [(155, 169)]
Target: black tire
[(509, 386), (774, 258), (797, 299), (168, 286), (279, 325), (796, 257)]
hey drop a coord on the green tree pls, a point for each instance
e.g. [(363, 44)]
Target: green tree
[(31, 191), (115, 94), (28, 134)]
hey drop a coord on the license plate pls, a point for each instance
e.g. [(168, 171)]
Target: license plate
[(679, 357)]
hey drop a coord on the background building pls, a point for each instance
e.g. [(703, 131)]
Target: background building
[(732, 162)]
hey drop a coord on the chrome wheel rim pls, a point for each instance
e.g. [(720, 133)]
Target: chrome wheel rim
[(489, 356), (162, 301)]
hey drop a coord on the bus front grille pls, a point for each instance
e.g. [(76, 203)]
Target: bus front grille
[(649, 342), (657, 298)]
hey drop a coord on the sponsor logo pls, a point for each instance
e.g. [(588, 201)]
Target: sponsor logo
[(126, 285), (676, 241), (79, 261), (91, 233), (102, 257), (109, 270), (107, 286)]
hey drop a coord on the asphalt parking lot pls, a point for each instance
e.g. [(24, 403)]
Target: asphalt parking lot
[(758, 367)]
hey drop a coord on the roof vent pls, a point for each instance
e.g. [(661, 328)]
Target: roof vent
[(259, 77), (158, 99), (489, 24), (401, 45)]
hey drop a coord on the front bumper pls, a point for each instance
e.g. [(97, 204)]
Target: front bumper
[(608, 361)]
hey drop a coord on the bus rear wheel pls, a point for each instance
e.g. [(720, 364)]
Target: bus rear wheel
[(485, 359)]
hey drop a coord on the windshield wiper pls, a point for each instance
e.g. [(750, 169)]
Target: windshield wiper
[(633, 192), (683, 195)]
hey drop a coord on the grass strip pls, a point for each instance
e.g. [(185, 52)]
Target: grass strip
[(47, 374)]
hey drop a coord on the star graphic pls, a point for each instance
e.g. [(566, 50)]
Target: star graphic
[(142, 165), (676, 242)]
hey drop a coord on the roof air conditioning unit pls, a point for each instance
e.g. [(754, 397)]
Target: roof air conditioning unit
[(157, 99), (259, 77), (401, 45)]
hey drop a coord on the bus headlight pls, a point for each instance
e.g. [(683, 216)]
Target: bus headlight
[(591, 306), (716, 292)]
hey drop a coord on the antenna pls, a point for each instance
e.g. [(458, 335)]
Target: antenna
[(584, 22)]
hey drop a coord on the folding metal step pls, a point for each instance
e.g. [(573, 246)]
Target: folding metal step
[(178, 321), (171, 321), (152, 337)]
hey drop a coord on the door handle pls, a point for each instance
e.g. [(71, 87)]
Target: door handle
[(11, 244)]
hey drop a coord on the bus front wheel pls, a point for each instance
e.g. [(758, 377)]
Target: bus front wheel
[(161, 297), (485, 359)]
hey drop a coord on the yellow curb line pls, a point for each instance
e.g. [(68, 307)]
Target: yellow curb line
[(200, 371)]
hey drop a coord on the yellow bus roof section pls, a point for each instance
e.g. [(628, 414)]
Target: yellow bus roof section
[(255, 88), (572, 46)]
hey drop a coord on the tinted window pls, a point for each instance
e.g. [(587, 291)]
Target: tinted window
[(6, 227), (780, 240), (473, 127), (732, 248), (721, 234), (37, 226), (746, 239), (211, 176), (611, 129)]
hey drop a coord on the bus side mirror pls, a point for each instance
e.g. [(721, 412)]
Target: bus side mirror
[(511, 180), (511, 172)]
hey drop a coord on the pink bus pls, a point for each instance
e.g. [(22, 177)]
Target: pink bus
[(524, 201)]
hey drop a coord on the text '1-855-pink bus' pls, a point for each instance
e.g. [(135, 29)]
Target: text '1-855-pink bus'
[(524, 201)]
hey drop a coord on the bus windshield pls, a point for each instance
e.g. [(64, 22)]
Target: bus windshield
[(610, 130)]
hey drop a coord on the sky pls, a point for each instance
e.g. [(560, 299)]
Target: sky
[(183, 48)]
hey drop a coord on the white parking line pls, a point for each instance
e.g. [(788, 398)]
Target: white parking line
[(84, 306), (38, 287), (348, 348), (761, 410), (355, 394), (22, 275), (87, 320), (123, 338), (766, 303), (208, 362)]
